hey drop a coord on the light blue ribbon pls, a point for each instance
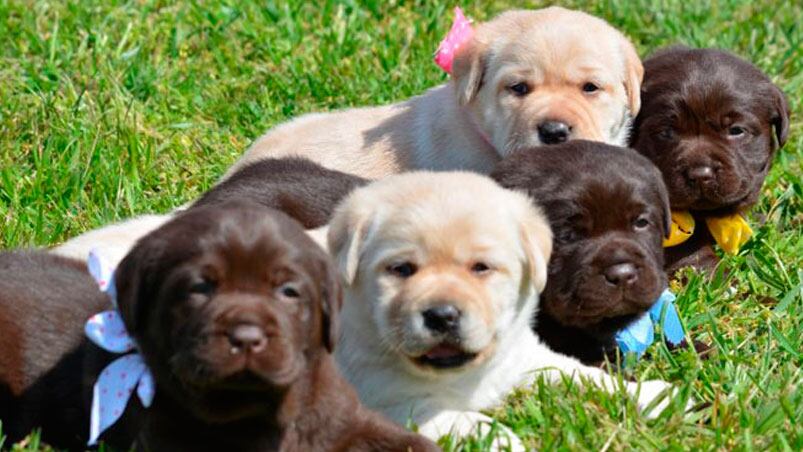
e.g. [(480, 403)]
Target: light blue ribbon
[(638, 335)]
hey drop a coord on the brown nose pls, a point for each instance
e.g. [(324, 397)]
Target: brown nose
[(248, 337), (624, 274), (701, 174)]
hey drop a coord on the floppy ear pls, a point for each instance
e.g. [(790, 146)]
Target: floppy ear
[(468, 70), (663, 196), (536, 239), (780, 118), (634, 75), (331, 304), (348, 232), (134, 284), (666, 212)]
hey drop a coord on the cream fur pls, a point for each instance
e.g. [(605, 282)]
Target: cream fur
[(444, 223), (474, 119)]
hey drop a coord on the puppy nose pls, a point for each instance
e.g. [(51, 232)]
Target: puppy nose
[(701, 173), (621, 274), (247, 336), (442, 319), (552, 132)]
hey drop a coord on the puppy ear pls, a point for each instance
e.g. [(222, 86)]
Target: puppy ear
[(133, 280), (780, 118), (348, 232), (468, 70), (332, 302), (634, 75), (536, 239)]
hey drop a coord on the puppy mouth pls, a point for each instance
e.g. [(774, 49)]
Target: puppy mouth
[(445, 356)]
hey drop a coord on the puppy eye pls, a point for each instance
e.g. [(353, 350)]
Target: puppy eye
[(736, 131), (480, 268), (641, 223), (402, 270), (590, 87), (205, 287), (289, 291), (519, 89), (666, 133)]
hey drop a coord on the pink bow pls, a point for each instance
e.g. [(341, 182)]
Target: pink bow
[(460, 33)]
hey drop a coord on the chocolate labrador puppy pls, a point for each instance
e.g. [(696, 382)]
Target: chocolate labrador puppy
[(609, 211), (234, 310), (46, 363), (302, 189), (711, 122)]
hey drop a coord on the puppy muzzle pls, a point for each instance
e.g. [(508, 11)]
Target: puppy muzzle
[(619, 278)]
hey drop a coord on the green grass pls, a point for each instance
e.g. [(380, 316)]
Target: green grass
[(112, 109)]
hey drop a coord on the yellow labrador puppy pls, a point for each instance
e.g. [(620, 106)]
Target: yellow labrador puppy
[(442, 274), (525, 78)]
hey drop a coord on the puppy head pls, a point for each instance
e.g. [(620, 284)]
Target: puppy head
[(547, 76), (711, 123), (229, 305), (440, 265), (609, 212)]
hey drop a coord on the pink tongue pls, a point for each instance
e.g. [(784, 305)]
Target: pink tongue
[(443, 351)]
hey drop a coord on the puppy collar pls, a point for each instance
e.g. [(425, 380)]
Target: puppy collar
[(118, 380), (730, 231), (636, 337)]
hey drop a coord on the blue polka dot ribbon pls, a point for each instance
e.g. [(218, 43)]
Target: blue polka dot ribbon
[(638, 335), (119, 379)]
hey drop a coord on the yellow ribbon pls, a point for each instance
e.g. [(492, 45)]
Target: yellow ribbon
[(730, 232), (682, 228)]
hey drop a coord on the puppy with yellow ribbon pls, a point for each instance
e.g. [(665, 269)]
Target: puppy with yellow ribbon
[(711, 122)]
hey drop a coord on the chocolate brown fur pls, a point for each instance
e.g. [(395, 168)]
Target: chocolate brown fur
[(188, 290), (183, 291), (304, 190), (711, 122), (47, 365), (607, 207)]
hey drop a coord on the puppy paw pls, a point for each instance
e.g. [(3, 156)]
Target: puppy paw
[(653, 397)]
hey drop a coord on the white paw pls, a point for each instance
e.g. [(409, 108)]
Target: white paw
[(653, 397)]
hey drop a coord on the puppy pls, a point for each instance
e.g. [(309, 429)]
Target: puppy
[(711, 122), (442, 273), (525, 78), (235, 313), (609, 211)]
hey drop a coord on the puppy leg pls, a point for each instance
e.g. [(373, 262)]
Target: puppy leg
[(652, 396), (461, 424)]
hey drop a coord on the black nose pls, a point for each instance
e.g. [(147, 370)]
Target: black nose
[(621, 274), (553, 132), (443, 319), (701, 174), (247, 336)]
